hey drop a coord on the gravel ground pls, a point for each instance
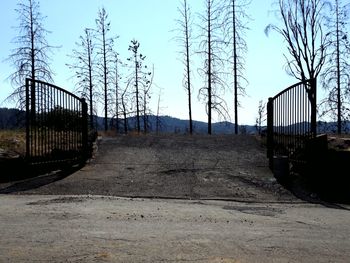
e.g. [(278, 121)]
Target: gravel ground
[(109, 229)]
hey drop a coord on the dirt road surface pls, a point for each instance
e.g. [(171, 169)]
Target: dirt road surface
[(197, 167), (110, 229), (169, 199)]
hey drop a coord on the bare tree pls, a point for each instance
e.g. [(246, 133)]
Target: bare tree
[(261, 116), (302, 29), (336, 76), (235, 22), (184, 39), (135, 59), (125, 103), (116, 82), (159, 108), (146, 87), (31, 56), (83, 67), (212, 49), (141, 81), (105, 53)]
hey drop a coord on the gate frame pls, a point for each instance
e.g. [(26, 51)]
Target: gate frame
[(81, 155), (311, 91)]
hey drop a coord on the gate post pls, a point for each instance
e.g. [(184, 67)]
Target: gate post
[(28, 115), (84, 128), (270, 131), (313, 90)]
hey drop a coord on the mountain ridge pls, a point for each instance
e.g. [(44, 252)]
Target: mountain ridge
[(11, 118)]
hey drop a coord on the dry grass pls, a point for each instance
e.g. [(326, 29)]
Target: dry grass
[(13, 140), (339, 136), (108, 133), (113, 133), (339, 142)]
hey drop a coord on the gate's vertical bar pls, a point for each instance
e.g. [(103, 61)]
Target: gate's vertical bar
[(279, 120), (64, 112), (283, 114), (300, 95), (70, 116), (289, 111), (270, 145), (55, 126), (73, 123), (76, 127), (48, 121), (304, 110), (60, 118), (308, 113)]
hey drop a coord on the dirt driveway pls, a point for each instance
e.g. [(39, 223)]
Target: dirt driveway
[(197, 167), (168, 199)]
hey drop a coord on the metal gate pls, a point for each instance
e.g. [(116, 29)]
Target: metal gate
[(291, 121), (56, 124)]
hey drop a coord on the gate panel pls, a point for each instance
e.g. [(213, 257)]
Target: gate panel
[(56, 128), (291, 120)]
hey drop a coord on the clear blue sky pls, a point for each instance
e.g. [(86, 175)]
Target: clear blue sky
[(151, 22)]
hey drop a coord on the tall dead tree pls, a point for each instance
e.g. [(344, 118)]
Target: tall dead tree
[(184, 40), (134, 47), (159, 108), (146, 82), (83, 67), (30, 57), (336, 76), (116, 81), (104, 46), (235, 22), (261, 116), (125, 103), (212, 50), (302, 29), (141, 79)]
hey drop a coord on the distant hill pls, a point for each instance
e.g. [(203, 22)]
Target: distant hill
[(331, 127), (14, 119), (174, 125)]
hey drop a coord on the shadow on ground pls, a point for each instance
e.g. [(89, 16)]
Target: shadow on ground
[(327, 189), (18, 176)]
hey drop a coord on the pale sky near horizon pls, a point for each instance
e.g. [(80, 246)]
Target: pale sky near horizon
[(151, 22)]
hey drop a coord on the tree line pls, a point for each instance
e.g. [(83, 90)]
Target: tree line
[(315, 32), (316, 37), (221, 45), (97, 67)]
